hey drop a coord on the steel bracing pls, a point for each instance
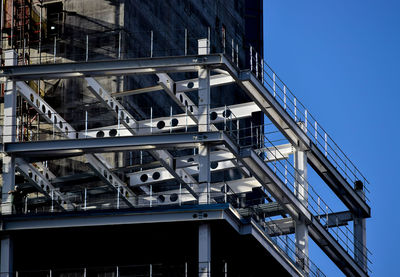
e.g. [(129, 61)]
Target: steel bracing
[(267, 195)]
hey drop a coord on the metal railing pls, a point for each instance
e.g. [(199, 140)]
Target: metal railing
[(89, 199), (284, 169), (183, 269), (299, 113), (125, 44)]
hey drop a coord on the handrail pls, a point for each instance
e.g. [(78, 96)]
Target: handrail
[(298, 112)]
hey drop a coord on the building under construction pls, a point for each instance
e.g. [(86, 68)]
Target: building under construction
[(150, 138)]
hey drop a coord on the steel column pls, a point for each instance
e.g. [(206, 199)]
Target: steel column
[(9, 135), (204, 250), (204, 126), (360, 233), (301, 192), (204, 165), (6, 256)]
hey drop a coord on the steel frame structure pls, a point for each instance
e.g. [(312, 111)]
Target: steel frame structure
[(193, 172)]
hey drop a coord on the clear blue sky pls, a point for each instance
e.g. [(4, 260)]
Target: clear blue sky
[(342, 59)]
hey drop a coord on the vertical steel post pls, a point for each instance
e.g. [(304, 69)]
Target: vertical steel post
[(360, 233), (237, 132), (55, 49), (286, 172), (118, 123), (86, 124), (151, 196), (186, 42), (237, 55), (284, 97), (225, 193), (151, 120), (85, 200), (251, 58), (87, 48), (204, 169), (319, 208), (12, 24), (305, 122), (209, 36), (316, 131), (225, 118), (180, 194), (52, 200), (119, 44), (118, 197), (170, 119), (1, 23), (23, 52), (204, 250), (151, 44), (186, 119), (251, 133), (233, 51), (256, 65), (301, 192), (6, 255), (40, 34), (262, 70), (9, 135)]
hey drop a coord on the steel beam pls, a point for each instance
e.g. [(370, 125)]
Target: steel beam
[(112, 67), (149, 126), (116, 217), (136, 91), (287, 226), (193, 84), (279, 152), (280, 227), (58, 148), (270, 209), (181, 86)]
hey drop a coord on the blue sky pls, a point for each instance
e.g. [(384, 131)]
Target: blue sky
[(342, 59)]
